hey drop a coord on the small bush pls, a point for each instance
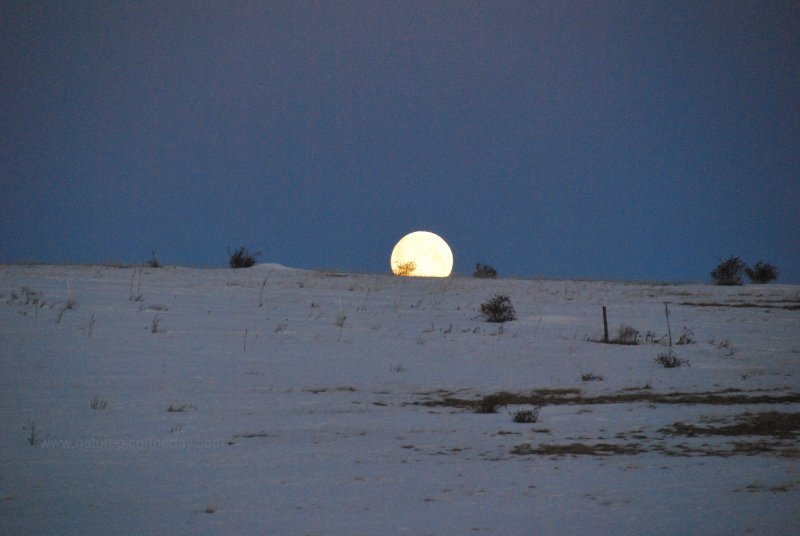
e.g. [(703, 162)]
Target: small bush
[(589, 377), (670, 360), (406, 268), (627, 335), (687, 337), (728, 272), (761, 273), (98, 404), (526, 416), (498, 309), (177, 407), (242, 258), (484, 271)]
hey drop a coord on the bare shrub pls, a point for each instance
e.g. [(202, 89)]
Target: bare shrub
[(728, 272), (484, 271), (178, 407), (32, 297), (627, 335), (499, 309), (526, 416), (687, 337), (242, 258), (98, 404), (670, 360), (406, 268), (761, 273), (589, 377)]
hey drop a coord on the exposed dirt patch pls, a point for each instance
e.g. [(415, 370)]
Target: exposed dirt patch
[(768, 423), (780, 488), (746, 434), (552, 397), (574, 449), (781, 304), (344, 388)]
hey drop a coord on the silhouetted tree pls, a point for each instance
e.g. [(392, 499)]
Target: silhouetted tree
[(406, 268), (484, 271), (728, 272), (762, 272)]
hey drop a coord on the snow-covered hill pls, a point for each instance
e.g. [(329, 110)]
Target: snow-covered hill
[(278, 401)]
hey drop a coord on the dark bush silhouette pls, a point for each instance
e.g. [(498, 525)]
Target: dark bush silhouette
[(499, 309), (406, 268), (484, 271), (728, 272), (242, 258), (762, 272)]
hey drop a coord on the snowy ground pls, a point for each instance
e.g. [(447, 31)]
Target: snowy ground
[(277, 401)]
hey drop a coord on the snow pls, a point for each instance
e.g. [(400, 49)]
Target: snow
[(311, 402)]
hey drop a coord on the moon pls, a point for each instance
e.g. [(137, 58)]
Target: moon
[(422, 254)]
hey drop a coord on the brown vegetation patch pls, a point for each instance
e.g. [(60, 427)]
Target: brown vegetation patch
[(768, 423), (251, 435), (344, 388), (780, 488), (790, 305), (576, 449), (553, 397)]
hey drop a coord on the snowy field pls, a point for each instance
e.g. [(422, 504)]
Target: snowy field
[(277, 401)]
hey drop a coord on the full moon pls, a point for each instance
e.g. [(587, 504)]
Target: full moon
[(422, 254)]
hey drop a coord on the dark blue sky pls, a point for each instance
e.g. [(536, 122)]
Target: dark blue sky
[(621, 140)]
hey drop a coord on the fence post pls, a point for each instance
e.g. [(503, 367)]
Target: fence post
[(605, 325), (669, 330)]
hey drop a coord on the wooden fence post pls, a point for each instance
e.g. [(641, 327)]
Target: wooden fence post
[(605, 325)]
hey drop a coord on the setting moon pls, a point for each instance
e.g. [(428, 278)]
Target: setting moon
[(422, 254)]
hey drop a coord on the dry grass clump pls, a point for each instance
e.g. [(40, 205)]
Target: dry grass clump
[(670, 360), (526, 416), (627, 335), (575, 449)]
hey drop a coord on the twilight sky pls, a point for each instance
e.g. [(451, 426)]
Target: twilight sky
[(614, 139)]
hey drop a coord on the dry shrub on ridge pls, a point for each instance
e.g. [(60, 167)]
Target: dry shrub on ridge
[(498, 309)]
